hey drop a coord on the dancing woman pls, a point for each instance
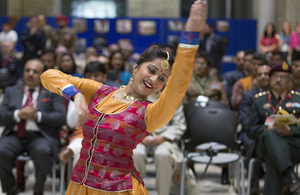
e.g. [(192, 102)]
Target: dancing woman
[(115, 120)]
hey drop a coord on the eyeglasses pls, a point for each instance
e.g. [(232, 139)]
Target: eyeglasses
[(282, 77)]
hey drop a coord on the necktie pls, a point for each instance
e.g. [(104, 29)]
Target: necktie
[(22, 123)]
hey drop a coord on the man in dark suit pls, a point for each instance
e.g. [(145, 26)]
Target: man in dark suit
[(244, 110), (213, 45), (32, 116), (229, 78), (33, 40), (278, 145)]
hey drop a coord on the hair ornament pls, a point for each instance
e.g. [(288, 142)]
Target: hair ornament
[(165, 63)]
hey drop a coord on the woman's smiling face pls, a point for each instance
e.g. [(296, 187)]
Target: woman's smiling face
[(150, 77)]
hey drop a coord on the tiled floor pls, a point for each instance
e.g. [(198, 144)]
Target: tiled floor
[(210, 185)]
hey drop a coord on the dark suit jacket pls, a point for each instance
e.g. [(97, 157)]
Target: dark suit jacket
[(245, 106), (49, 104), (217, 51), (229, 78)]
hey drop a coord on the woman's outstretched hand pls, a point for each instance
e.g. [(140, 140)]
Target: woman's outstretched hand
[(81, 108), (197, 17)]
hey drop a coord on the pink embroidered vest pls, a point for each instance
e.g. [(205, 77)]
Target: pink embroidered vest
[(105, 161)]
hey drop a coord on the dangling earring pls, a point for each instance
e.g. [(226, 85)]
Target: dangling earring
[(131, 79)]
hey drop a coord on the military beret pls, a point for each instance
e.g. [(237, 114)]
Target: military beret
[(61, 17), (281, 67)]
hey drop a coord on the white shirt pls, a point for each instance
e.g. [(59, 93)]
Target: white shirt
[(11, 36), (30, 124)]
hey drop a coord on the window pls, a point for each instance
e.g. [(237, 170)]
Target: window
[(98, 8)]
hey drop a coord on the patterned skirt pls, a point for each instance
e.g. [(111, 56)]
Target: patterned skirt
[(78, 189)]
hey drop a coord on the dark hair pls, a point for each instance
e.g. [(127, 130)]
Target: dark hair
[(205, 57), (266, 27), (112, 55), (68, 54), (49, 51), (296, 56), (155, 45), (153, 53), (248, 52), (259, 56), (95, 67), (279, 54)]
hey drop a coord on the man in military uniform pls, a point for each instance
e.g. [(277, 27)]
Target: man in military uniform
[(278, 145), (64, 35)]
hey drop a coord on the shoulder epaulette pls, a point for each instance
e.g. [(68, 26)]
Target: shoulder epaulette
[(295, 92), (261, 94)]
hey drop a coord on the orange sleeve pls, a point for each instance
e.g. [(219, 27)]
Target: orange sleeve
[(161, 112), (56, 81)]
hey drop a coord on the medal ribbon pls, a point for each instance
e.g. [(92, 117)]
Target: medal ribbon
[(279, 103)]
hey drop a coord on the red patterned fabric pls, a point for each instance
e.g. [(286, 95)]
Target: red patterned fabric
[(105, 161)]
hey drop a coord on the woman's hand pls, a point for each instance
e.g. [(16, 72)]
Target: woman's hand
[(197, 17), (82, 109)]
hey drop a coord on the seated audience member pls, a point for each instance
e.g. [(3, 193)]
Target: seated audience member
[(96, 71), (67, 65), (32, 116), (163, 144), (277, 57), (126, 49), (202, 84), (277, 144), (112, 48), (229, 78), (269, 58), (296, 72), (90, 51), (247, 83), (117, 73), (8, 34), (9, 66), (104, 60), (263, 81), (48, 58)]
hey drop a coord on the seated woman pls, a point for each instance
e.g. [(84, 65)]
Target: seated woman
[(115, 120), (67, 65), (117, 73)]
